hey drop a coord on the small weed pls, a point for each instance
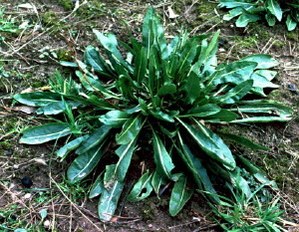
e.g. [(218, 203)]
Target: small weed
[(7, 25), (249, 214)]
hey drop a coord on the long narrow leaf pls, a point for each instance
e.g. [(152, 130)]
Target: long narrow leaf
[(85, 163), (162, 158), (179, 196), (130, 130), (210, 143), (45, 133)]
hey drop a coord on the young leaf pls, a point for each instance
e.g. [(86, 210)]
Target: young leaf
[(70, 146), (130, 130), (162, 158), (274, 8), (142, 188), (197, 169), (97, 187), (235, 94), (94, 139), (124, 153), (85, 163), (114, 118), (291, 24), (179, 196), (109, 197), (45, 133), (157, 181), (37, 98), (263, 61)]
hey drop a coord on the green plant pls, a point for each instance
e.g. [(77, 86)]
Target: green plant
[(164, 98), (7, 24), (249, 214), (249, 11)]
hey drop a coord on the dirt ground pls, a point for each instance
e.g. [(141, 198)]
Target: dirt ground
[(51, 32)]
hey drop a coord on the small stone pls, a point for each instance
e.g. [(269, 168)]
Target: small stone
[(26, 182), (27, 196), (47, 224)]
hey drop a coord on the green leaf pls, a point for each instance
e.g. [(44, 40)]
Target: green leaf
[(246, 18), (274, 7), (97, 187), (291, 23), (157, 181), (94, 59), (235, 94), (130, 130), (85, 163), (162, 115), (94, 139), (263, 61), (270, 19), (210, 143), (109, 42), (58, 107), (239, 182), (70, 146), (179, 196), (45, 133), (242, 141), (223, 116), (235, 73), (197, 169), (257, 172), (203, 111), (142, 188), (140, 64), (262, 111), (124, 153), (109, 197), (114, 118), (235, 3), (193, 88), (152, 31), (167, 88), (37, 98), (162, 158), (233, 13), (262, 79)]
